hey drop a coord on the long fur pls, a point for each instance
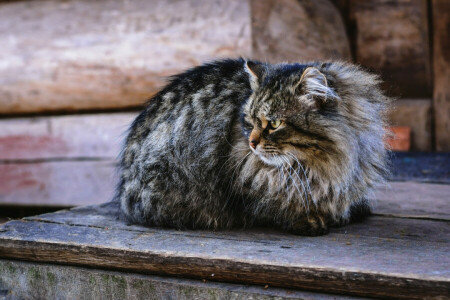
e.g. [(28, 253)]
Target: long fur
[(187, 162)]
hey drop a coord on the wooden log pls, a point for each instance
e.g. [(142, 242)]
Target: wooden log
[(101, 135), (46, 281), (441, 70), (394, 258), (90, 180), (39, 157), (74, 55), (67, 183), (391, 37), (416, 114), (65, 137), (291, 30)]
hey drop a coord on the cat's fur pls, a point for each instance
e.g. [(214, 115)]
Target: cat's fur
[(187, 162)]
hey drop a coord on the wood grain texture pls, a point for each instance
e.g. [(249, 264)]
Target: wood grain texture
[(291, 30), (383, 225), (40, 281), (392, 37), (413, 265), (416, 114), (74, 55), (441, 69), (411, 199), (65, 137), (67, 183)]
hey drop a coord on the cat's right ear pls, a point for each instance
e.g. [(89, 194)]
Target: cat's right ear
[(315, 84), (255, 72)]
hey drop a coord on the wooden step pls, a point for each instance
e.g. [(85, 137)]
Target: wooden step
[(394, 254), (68, 282)]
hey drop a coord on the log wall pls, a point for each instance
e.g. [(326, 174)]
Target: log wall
[(391, 37), (441, 63), (292, 30), (73, 55)]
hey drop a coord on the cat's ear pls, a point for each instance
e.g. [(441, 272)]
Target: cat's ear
[(255, 72), (315, 84)]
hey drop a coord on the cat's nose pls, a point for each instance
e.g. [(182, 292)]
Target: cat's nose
[(254, 143)]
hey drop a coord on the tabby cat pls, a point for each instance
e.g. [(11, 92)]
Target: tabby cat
[(238, 143)]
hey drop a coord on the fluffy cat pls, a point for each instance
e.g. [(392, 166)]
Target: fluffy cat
[(238, 143)]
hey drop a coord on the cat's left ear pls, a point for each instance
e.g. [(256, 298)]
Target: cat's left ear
[(256, 72), (314, 83)]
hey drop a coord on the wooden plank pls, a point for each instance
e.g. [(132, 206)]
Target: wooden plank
[(416, 200), (441, 70), (85, 54), (404, 267), (291, 30), (416, 114), (391, 37), (380, 226), (66, 183), (39, 281), (63, 137)]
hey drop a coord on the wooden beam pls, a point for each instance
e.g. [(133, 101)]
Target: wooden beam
[(75, 55), (64, 137), (66, 183), (412, 199), (291, 30), (441, 69), (41, 281), (392, 37)]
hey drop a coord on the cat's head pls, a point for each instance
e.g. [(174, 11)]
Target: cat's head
[(293, 113)]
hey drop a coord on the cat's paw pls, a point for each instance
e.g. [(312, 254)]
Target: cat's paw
[(310, 226)]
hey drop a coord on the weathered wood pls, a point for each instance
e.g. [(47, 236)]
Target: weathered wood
[(441, 70), (91, 181), (75, 55), (291, 30), (67, 183), (101, 135), (409, 265), (66, 137), (410, 199), (392, 38), (416, 114), (380, 226), (39, 281)]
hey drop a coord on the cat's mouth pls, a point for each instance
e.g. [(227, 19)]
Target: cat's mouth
[(272, 159)]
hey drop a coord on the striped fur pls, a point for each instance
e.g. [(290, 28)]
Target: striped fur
[(187, 162)]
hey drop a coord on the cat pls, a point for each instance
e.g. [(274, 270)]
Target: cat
[(237, 143)]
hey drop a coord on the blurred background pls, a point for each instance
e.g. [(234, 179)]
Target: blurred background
[(74, 74)]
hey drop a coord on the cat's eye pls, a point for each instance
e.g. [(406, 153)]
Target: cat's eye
[(275, 124)]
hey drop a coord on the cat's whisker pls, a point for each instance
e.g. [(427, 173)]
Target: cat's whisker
[(230, 156), (236, 165), (232, 181), (234, 147), (293, 181), (306, 177), (305, 192), (242, 179)]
